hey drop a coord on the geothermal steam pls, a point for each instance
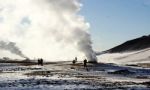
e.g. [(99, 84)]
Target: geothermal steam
[(50, 29), (10, 46)]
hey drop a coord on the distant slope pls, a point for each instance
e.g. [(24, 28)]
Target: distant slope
[(134, 57), (132, 45)]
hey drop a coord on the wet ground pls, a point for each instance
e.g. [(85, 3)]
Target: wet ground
[(64, 75)]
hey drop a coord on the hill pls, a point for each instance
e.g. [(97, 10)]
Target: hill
[(132, 45)]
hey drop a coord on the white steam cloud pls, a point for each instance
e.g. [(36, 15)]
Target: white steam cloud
[(51, 29)]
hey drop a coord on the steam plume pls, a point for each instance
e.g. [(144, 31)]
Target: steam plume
[(10, 46), (51, 29)]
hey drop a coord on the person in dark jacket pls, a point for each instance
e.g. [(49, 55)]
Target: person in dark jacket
[(73, 62), (41, 62), (38, 61), (85, 63)]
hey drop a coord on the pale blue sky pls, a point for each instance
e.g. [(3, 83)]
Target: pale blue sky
[(115, 21)]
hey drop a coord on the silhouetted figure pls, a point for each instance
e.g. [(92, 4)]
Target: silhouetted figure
[(74, 61), (41, 61), (38, 61), (85, 63)]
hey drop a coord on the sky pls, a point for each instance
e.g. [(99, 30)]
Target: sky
[(113, 22)]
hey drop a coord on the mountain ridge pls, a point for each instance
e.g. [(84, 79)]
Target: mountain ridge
[(132, 45)]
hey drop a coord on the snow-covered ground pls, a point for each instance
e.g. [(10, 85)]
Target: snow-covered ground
[(112, 73), (64, 75), (141, 56)]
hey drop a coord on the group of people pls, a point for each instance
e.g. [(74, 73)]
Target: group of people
[(74, 61), (40, 61), (84, 62)]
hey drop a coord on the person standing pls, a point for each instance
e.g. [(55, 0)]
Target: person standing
[(41, 62), (85, 64), (76, 59)]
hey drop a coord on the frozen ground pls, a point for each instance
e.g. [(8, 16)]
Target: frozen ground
[(64, 75), (135, 57)]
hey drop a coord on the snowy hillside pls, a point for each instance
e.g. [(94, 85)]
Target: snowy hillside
[(132, 45), (141, 56)]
